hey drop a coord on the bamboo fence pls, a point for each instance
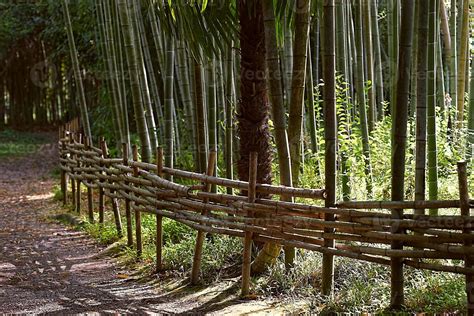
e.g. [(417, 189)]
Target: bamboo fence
[(362, 230)]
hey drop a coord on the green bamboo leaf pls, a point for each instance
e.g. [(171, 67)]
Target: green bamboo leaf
[(204, 6)]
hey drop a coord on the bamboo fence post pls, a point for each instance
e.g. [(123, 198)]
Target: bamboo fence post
[(90, 201), (247, 255), (78, 184), (465, 211), (159, 218), (201, 234), (63, 172), (73, 182), (115, 208), (101, 188), (128, 212), (138, 217)]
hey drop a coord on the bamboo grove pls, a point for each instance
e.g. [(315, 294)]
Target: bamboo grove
[(305, 84)]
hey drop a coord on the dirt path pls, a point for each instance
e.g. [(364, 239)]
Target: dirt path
[(48, 268)]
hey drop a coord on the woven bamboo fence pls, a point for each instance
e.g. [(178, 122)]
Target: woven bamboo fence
[(362, 230)]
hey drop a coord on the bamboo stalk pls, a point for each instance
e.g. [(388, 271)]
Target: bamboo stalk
[(138, 217), (128, 213), (468, 260), (78, 185), (159, 218), (63, 173), (101, 189), (90, 205), (115, 209), (247, 254), (211, 164)]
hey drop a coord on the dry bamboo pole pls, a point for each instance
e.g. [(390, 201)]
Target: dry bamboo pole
[(211, 163), (90, 201), (247, 254), (242, 185), (78, 183), (465, 211), (73, 182), (159, 218), (138, 216), (438, 267), (115, 210), (63, 173), (128, 213), (101, 189)]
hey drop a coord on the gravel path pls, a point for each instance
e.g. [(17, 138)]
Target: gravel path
[(45, 267)]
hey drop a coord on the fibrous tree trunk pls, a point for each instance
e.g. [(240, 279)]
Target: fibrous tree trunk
[(253, 108)]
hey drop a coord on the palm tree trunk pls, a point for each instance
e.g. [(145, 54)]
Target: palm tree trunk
[(77, 72), (297, 86), (254, 106)]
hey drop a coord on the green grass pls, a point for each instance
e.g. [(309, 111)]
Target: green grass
[(14, 144)]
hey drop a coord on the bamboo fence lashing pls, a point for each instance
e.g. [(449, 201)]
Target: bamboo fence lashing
[(159, 218), (211, 163), (128, 213), (247, 254), (359, 230)]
